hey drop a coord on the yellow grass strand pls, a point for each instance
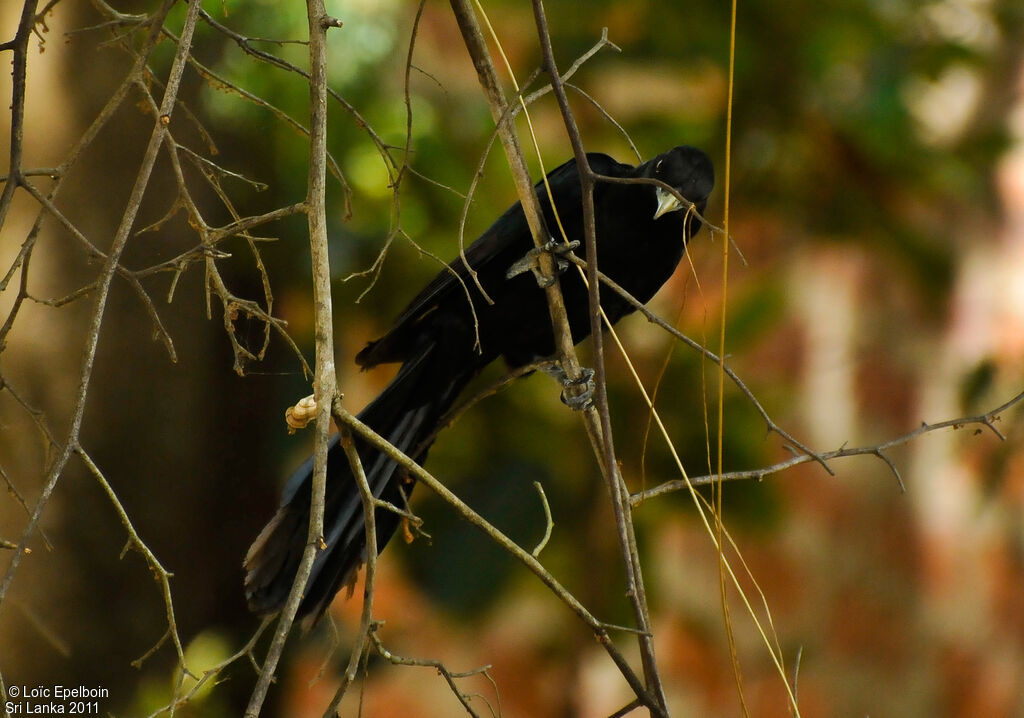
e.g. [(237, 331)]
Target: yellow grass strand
[(717, 488)]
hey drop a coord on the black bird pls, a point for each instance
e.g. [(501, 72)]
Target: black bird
[(641, 236)]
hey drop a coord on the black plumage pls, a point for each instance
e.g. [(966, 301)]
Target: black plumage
[(641, 235)]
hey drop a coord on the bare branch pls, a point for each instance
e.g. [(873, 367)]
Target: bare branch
[(617, 490), (19, 70), (448, 676), (370, 574), (488, 77), (325, 382), (548, 521), (159, 572), (655, 319), (121, 236), (420, 474), (985, 419)]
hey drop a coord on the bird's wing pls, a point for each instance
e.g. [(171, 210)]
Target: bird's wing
[(507, 238)]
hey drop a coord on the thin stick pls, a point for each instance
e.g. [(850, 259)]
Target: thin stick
[(370, 528), (548, 521), (985, 420), (159, 572)]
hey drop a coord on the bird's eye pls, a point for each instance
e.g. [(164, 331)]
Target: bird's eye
[(657, 166)]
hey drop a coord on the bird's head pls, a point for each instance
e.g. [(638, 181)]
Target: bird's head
[(687, 170)]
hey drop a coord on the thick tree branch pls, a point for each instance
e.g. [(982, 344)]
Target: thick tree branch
[(488, 77), (325, 381), (617, 490)]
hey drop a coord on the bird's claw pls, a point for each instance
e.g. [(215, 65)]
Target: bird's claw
[(530, 262), (585, 399), (577, 400)]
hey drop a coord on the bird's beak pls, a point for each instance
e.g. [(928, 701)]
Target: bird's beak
[(667, 202)]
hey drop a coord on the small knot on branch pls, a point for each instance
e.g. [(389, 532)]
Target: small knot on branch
[(298, 416), (987, 421)]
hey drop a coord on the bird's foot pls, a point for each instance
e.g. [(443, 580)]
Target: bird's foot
[(530, 261), (572, 396)]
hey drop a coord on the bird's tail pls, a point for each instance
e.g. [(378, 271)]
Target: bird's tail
[(406, 413)]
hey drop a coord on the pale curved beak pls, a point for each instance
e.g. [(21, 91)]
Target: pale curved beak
[(666, 202)]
